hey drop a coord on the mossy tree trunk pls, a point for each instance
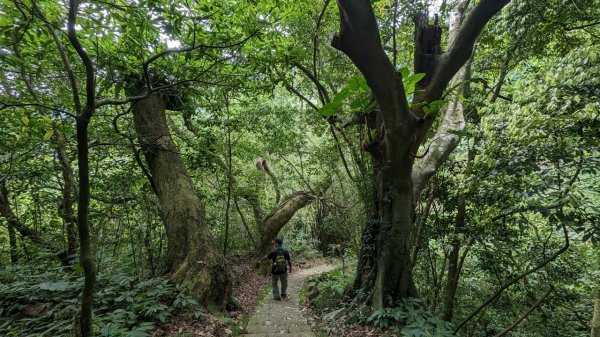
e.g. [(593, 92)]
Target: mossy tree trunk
[(397, 184), (192, 257), (274, 222), (12, 220), (596, 319), (455, 108)]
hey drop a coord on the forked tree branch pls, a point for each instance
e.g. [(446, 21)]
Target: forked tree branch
[(453, 121), (462, 47), (359, 39)]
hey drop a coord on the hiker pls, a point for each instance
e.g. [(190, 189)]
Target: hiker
[(280, 259)]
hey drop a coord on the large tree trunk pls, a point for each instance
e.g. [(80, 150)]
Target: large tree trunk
[(596, 319), (384, 268), (192, 257), (274, 222), (401, 133)]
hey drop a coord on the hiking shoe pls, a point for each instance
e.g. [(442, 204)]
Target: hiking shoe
[(277, 298), (283, 296)]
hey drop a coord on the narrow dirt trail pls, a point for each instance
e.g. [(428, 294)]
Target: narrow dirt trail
[(284, 318)]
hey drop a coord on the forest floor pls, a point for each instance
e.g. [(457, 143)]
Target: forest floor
[(249, 289)]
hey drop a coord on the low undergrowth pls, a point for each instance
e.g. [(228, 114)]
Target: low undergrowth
[(410, 319), (332, 313), (325, 292), (46, 303)]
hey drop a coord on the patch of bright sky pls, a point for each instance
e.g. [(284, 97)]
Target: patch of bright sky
[(434, 7)]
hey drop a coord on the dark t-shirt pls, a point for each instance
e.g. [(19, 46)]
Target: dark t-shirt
[(273, 255)]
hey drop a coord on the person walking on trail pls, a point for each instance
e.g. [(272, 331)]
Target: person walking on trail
[(280, 259)]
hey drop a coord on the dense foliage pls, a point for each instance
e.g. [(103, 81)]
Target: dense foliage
[(272, 123)]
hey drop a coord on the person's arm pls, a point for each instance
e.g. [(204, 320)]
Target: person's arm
[(266, 257)]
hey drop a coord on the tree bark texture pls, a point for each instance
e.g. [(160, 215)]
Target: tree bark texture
[(400, 132), (275, 221), (192, 256), (453, 259), (596, 319), (12, 238), (454, 121), (69, 193), (86, 260)]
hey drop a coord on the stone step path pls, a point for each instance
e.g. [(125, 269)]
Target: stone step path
[(284, 318)]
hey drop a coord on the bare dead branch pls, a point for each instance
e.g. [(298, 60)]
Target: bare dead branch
[(267, 169), (359, 39)]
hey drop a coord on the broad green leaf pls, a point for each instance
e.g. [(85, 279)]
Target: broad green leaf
[(405, 72), (330, 109), (355, 86), (78, 268), (411, 81), (48, 135), (433, 107)]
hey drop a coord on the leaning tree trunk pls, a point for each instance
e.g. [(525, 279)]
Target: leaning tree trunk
[(192, 257), (273, 223)]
